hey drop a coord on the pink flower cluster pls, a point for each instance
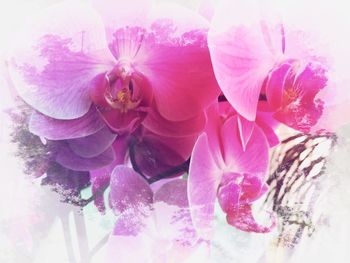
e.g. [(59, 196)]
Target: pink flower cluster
[(139, 94)]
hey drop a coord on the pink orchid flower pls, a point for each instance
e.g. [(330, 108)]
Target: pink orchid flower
[(119, 56), (221, 169), (292, 54), (151, 226)]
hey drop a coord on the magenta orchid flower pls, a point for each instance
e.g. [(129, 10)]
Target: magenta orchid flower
[(286, 59), (221, 169), (121, 58), (157, 223)]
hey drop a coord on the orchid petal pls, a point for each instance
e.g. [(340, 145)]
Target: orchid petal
[(129, 191), (67, 158), (62, 49), (178, 51), (178, 196), (241, 58), (92, 145), (54, 129), (154, 122)]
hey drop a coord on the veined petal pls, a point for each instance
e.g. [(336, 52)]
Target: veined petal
[(60, 52), (203, 181), (242, 54), (54, 129), (177, 50)]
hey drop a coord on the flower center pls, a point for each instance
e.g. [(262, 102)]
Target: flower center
[(120, 93)]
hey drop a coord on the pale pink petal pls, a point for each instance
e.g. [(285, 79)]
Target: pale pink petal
[(92, 145), (241, 53), (54, 129), (129, 191), (213, 130), (254, 159), (203, 181), (60, 52)]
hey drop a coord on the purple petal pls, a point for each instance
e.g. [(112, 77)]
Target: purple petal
[(63, 48), (93, 145), (129, 191), (66, 157), (54, 129), (173, 193)]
